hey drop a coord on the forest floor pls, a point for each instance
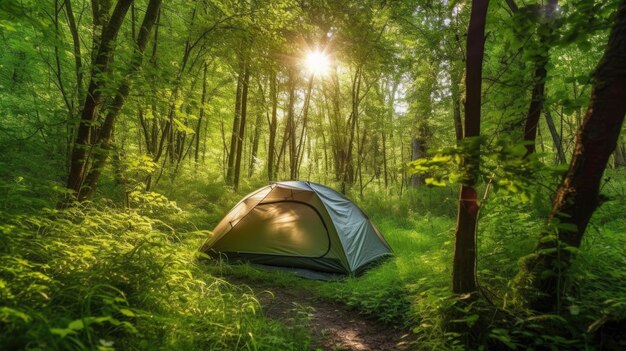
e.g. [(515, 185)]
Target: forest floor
[(332, 326)]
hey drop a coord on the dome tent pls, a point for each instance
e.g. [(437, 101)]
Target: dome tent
[(298, 225)]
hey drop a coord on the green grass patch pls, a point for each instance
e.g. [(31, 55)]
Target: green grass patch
[(98, 277)]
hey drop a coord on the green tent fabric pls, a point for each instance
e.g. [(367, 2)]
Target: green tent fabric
[(298, 225)]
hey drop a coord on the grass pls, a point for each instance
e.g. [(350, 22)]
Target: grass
[(411, 290), (104, 277), (100, 277)]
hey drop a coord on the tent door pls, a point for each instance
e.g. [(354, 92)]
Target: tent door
[(282, 228)]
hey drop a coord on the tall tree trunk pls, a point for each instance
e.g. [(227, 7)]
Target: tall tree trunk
[(100, 14), (348, 166), (464, 264), (539, 77), (389, 115), (271, 147), (418, 150), (236, 121), (78, 63), (201, 115), (456, 106), (541, 278), (242, 126), (93, 99), (556, 138), (290, 133), (338, 138), (255, 142), (384, 151), (305, 118), (104, 138)]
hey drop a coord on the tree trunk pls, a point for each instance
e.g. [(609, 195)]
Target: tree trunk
[(456, 106), (78, 63), (338, 138), (242, 126), (418, 149), (348, 165), (539, 77), (105, 135), (236, 121), (389, 115), (100, 15), (271, 148), (93, 99), (556, 138), (540, 281), (464, 264), (305, 118), (201, 115), (255, 143), (290, 133)]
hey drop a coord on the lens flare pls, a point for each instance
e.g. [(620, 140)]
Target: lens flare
[(317, 63)]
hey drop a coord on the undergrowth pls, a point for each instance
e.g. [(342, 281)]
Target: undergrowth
[(411, 290), (100, 277)]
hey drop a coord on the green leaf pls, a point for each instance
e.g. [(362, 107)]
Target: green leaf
[(76, 325), (127, 312), (62, 332)]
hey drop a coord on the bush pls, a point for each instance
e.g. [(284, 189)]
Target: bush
[(99, 277)]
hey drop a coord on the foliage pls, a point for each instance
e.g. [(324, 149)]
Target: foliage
[(97, 277), (505, 165)]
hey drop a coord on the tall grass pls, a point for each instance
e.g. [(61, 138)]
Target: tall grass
[(101, 277)]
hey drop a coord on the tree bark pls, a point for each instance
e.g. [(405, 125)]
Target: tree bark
[(540, 281), (464, 264)]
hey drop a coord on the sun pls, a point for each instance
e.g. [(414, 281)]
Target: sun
[(317, 63)]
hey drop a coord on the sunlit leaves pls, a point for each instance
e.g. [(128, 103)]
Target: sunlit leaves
[(504, 164)]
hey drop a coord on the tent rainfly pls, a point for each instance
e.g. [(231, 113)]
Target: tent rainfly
[(298, 225)]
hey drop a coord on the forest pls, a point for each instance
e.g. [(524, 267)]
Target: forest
[(483, 138)]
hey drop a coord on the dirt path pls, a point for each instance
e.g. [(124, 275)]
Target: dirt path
[(333, 326)]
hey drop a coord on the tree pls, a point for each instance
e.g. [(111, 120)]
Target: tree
[(273, 124), (464, 264), (91, 144), (538, 92), (540, 281)]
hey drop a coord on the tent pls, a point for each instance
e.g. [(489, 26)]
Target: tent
[(301, 226)]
